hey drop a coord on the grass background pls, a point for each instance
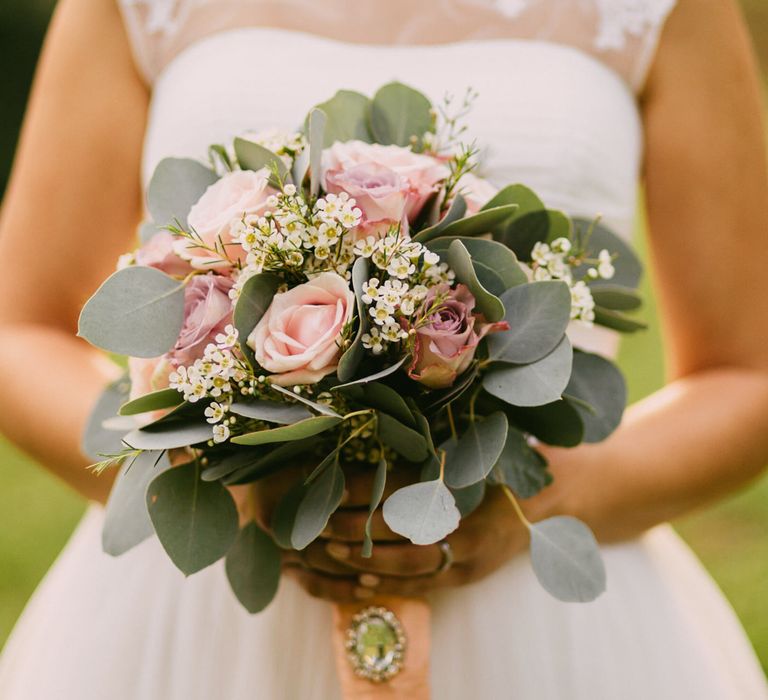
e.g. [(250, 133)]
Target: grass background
[(38, 513)]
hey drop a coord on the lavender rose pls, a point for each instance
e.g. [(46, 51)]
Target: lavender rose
[(298, 337), (447, 336), (207, 311)]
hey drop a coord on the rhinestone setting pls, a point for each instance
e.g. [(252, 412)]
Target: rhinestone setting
[(376, 644)]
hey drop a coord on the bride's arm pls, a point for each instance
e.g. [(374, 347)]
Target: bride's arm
[(71, 208), (706, 432)]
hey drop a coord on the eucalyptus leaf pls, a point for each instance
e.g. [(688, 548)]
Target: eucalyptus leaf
[(384, 398), (196, 521), (301, 166), (487, 253), (400, 115), (566, 559), (557, 423), (155, 401), (616, 298), (126, 520), (404, 440), (137, 311), (147, 231), (484, 221), (98, 440), (599, 383), (252, 156), (627, 267), (425, 513), (321, 408), (461, 263), (319, 503), (176, 185), (520, 467), (377, 492), (456, 210), (375, 376), (253, 302), (271, 411), (222, 465), (168, 436), (347, 115), (317, 121), (296, 431), (253, 568), (469, 498), (538, 314), (618, 321), (470, 458), (284, 515), (350, 360), (270, 461), (534, 384)]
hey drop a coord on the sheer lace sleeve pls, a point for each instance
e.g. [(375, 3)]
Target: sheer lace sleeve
[(623, 34)]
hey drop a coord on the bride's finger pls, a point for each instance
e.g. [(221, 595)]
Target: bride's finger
[(388, 558)]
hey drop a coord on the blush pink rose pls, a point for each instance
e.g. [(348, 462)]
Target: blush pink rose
[(158, 252), (297, 339), (423, 173), (476, 192), (207, 311), (148, 375), (448, 337), (380, 193), (215, 216)]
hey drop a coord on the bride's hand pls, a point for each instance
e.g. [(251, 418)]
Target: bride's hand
[(333, 567)]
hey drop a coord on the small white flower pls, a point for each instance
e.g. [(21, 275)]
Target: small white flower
[(228, 338), (370, 290), (220, 433), (215, 412), (365, 248), (605, 269)]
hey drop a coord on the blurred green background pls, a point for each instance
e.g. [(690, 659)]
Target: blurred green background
[(37, 513)]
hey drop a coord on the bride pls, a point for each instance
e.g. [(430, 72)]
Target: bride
[(578, 99)]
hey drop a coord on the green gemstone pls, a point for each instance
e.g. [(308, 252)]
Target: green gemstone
[(375, 644)]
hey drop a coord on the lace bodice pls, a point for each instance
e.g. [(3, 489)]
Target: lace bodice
[(620, 33)]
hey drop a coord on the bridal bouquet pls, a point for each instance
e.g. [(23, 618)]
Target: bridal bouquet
[(351, 296)]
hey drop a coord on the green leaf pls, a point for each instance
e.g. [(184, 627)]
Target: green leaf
[(377, 492), (381, 397), (461, 262), (375, 376), (618, 321), (253, 568), (296, 431), (157, 400), (284, 517), (400, 115), (252, 156), (566, 559), (168, 436), (627, 266), (485, 221), (538, 314), (599, 383), (126, 520), (98, 440), (317, 121), (137, 311), (270, 461), (404, 440), (253, 302), (556, 423), (520, 467), (534, 384), (469, 498), (347, 115), (271, 411), (350, 360), (457, 209), (425, 513), (560, 225), (319, 503), (176, 185), (469, 459), (314, 405), (525, 199), (196, 521), (613, 297), (223, 464), (488, 254)]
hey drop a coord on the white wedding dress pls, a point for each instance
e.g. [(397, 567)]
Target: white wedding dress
[(557, 110)]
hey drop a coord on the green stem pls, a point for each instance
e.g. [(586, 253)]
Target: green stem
[(516, 506)]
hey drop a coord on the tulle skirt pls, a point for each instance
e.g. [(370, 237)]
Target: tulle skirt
[(132, 628)]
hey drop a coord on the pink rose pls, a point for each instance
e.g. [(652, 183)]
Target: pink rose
[(158, 252), (380, 193), (207, 311), (476, 192), (148, 375), (215, 216), (298, 337), (422, 172), (447, 337)]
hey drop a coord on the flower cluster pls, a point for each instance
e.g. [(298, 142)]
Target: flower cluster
[(555, 261), (287, 145)]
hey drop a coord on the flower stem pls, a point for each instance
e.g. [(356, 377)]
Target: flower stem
[(516, 506)]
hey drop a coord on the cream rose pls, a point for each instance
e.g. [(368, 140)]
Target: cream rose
[(159, 252), (215, 216), (297, 339), (422, 173)]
